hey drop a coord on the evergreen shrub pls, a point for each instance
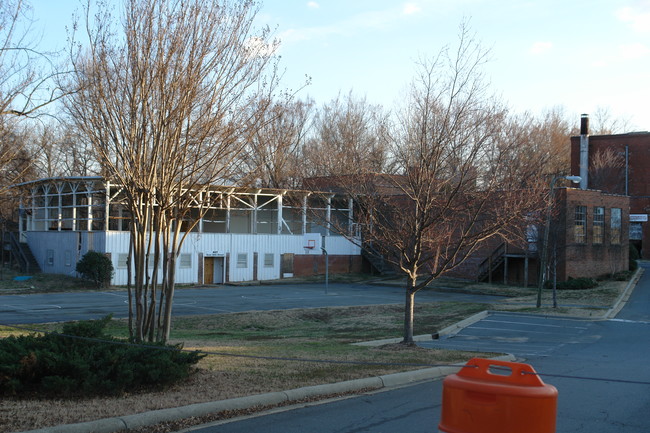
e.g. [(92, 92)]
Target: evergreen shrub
[(82, 361), (634, 256), (577, 284), (95, 267)]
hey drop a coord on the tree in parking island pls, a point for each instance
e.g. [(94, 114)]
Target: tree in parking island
[(168, 95), (463, 175)]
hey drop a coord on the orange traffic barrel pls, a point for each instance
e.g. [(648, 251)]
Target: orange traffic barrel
[(488, 396)]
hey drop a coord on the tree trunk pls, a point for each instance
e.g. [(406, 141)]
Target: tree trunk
[(408, 311)]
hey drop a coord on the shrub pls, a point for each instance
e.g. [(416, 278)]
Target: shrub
[(634, 256), (86, 362), (576, 284), (95, 267)]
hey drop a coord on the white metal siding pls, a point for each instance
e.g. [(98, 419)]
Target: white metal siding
[(208, 244), (67, 247)]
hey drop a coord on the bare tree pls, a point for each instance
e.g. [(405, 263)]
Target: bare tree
[(165, 102), (606, 171), (272, 156), (350, 136), (58, 151), (26, 74), (26, 85), (603, 122), (456, 185)]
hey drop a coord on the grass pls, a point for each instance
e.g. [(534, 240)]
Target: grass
[(251, 343), (40, 283)]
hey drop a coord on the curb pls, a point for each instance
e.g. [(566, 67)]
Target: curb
[(625, 296), (449, 330), (110, 425)]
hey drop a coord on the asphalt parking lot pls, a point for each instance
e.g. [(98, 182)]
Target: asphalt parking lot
[(56, 307)]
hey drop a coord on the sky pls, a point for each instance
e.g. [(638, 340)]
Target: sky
[(581, 55)]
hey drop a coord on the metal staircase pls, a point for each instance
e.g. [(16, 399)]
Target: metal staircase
[(375, 259), (22, 254), (492, 263)]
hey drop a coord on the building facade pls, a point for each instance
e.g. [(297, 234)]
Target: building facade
[(618, 164), (246, 234), (589, 234)]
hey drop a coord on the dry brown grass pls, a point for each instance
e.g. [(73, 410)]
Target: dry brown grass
[(257, 338)]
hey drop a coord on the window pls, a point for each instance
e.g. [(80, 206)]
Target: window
[(122, 261), (68, 258), (185, 260), (580, 225), (615, 226), (242, 260), (268, 260), (49, 257), (599, 225)]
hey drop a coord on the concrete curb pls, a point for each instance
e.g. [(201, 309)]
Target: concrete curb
[(449, 330), (110, 425), (625, 296)]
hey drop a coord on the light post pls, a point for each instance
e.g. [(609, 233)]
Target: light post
[(547, 229)]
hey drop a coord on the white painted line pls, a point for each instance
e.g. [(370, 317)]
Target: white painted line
[(534, 324), (520, 331), (35, 308), (642, 322)]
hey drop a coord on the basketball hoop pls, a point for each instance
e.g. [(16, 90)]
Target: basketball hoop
[(309, 247)]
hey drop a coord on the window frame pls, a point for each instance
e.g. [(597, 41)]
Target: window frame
[(269, 260), (598, 225), (580, 224), (242, 261), (615, 226)]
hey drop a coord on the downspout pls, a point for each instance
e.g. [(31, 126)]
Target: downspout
[(627, 169), (584, 150)]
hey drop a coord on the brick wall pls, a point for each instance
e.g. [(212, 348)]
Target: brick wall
[(307, 265), (635, 178), (588, 259)]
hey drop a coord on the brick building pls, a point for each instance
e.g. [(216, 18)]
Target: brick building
[(617, 164), (588, 236)]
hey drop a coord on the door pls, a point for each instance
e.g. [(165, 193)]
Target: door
[(217, 270), (208, 270)]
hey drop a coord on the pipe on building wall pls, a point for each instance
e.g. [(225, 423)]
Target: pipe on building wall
[(584, 150), (627, 169)]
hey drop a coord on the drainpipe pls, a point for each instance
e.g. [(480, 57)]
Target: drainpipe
[(584, 150), (627, 169)]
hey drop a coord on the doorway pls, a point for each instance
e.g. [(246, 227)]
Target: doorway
[(213, 270)]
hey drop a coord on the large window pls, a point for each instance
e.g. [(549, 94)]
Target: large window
[(580, 225), (615, 226), (599, 225)]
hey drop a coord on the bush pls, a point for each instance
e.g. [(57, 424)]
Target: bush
[(574, 284), (83, 361), (95, 267), (634, 256)]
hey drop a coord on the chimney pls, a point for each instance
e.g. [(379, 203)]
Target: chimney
[(584, 150)]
